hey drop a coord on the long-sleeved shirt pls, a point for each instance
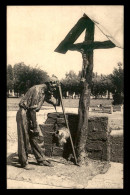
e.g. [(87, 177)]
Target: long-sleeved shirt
[(35, 97)]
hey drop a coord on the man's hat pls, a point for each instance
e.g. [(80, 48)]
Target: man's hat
[(53, 79)]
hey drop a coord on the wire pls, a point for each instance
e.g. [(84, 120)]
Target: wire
[(105, 34)]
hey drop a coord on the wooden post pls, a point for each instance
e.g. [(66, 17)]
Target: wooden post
[(84, 101), (86, 48)]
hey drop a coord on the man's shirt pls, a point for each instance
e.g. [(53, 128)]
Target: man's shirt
[(34, 97)]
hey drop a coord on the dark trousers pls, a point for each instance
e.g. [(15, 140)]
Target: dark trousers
[(31, 115), (26, 138)]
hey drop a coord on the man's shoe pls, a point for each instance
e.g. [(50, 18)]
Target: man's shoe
[(27, 167), (45, 163)]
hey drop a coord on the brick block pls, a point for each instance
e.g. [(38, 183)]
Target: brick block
[(47, 127), (50, 121), (48, 138), (60, 121), (96, 155), (94, 145), (100, 135), (96, 124), (59, 126), (117, 147), (48, 133), (48, 149), (57, 151), (98, 150), (55, 115), (106, 153)]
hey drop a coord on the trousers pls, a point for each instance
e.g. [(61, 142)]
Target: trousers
[(27, 139)]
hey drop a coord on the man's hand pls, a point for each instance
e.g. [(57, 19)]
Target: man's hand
[(55, 106), (37, 109)]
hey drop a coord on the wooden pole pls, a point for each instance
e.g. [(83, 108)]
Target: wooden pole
[(67, 125), (84, 101)]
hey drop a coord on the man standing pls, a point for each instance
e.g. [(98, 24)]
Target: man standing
[(27, 127)]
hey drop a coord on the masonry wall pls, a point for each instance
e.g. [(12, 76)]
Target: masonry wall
[(98, 141), (116, 140)]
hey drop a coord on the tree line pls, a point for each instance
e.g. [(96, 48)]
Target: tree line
[(101, 84), (21, 77)]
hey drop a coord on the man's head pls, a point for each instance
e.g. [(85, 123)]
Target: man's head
[(53, 83), (51, 91)]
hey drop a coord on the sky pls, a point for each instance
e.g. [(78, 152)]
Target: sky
[(34, 32)]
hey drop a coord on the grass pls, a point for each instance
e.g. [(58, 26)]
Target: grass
[(12, 103)]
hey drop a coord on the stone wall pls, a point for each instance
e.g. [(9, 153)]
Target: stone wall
[(116, 139), (98, 141)]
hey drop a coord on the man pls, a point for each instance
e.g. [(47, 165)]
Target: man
[(27, 127)]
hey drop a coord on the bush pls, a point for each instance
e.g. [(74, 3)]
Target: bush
[(118, 99)]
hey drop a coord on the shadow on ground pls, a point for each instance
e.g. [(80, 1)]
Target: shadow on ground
[(12, 160)]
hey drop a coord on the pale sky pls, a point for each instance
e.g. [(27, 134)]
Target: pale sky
[(34, 32)]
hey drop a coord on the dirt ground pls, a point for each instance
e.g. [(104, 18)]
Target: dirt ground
[(63, 174), (115, 121)]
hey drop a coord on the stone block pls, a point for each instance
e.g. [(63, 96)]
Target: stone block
[(55, 115), (60, 121), (59, 126), (47, 128), (116, 141), (48, 149), (100, 135), (96, 124), (94, 145), (48, 133), (57, 151), (48, 138), (50, 121), (106, 154), (96, 155), (98, 150)]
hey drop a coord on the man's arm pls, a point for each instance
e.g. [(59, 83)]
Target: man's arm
[(51, 100), (40, 103)]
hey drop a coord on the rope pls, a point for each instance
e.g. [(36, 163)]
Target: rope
[(105, 34), (95, 22)]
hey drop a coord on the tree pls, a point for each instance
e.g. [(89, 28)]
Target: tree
[(117, 79), (25, 77), (10, 82), (71, 83), (107, 85), (99, 85)]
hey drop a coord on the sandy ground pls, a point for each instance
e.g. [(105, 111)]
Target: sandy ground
[(61, 175), (112, 179)]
